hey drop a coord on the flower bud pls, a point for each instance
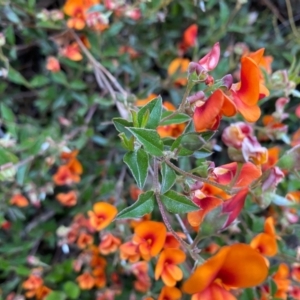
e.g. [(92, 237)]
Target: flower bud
[(290, 160), (195, 97), (227, 81), (211, 59)]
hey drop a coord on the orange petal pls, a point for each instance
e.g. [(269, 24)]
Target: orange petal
[(269, 226), (174, 271), (257, 55), (250, 113), (205, 115), (153, 233), (168, 279), (229, 108), (171, 293), (265, 244), (249, 90), (205, 274), (214, 292), (243, 267)]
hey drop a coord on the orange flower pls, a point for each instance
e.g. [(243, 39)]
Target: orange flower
[(273, 156), (72, 52), (172, 130), (178, 69), (77, 10), (150, 236), (248, 173), (207, 115), (249, 90), (282, 281), (130, 251), (86, 281), (169, 293), (237, 265), (102, 215), (19, 200), (171, 241), (265, 242), (31, 285), (42, 292), (84, 240), (52, 64), (109, 244), (167, 268), (64, 176), (212, 248), (100, 277), (189, 38), (134, 192), (67, 199)]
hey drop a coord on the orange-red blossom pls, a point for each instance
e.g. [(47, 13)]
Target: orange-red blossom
[(241, 97), (167, 268), (102, 215), (265, 242), (150, 237), (235, 266)]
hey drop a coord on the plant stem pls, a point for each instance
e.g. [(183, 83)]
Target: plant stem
[(181, 108), (205, 180), (161, 207)]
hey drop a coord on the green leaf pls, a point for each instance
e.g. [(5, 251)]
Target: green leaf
[(11, 15), (6, 113), (16, 77), (60, 78), (176, 119), (144, 205), (168, 178), (39, 81), (121, 125), (127, 143), (138, 163), (7, 157), (78, 85), (145, 119), (56, 295), (213, 221), (71, 289), (177, 204), (134, 116), (150, 139), (191, 141), (155, 111), (272, 287)]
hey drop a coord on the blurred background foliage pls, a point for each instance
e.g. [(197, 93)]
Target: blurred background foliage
[(42, 112)]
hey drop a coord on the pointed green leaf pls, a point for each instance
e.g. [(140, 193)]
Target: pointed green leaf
[(150, 139), (168, 178), (134, 116), (56, 295), (127, 143), (144, 205), (16, 77), (176, 119), (145, 119), (121, 125), (177, 204), (138, 163), (155, 109)]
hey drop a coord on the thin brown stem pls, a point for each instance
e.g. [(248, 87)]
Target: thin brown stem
[(204, 180)]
